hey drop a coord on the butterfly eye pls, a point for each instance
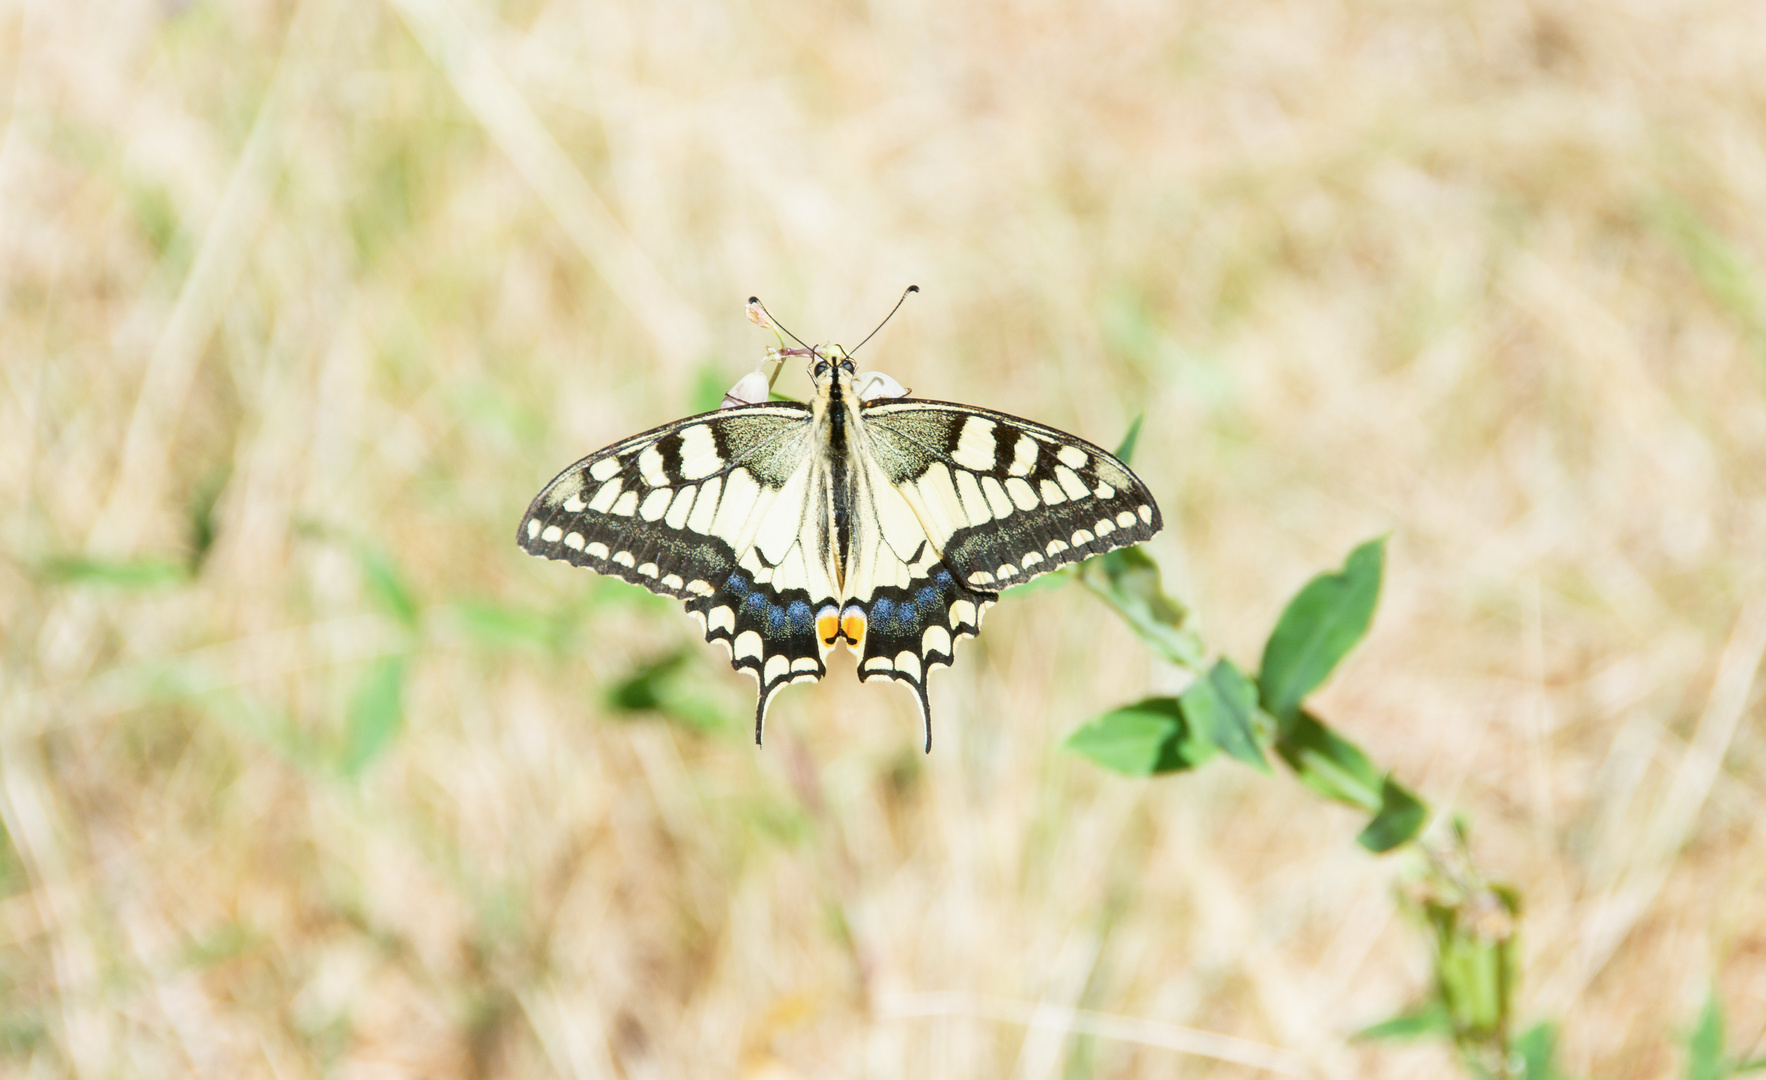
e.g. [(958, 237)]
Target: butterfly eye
[(822, 368), (847, 366)]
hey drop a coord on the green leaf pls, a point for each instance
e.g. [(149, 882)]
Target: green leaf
[(1429, 1019), (1128, 580), (375, 715), (1704, 1046), (1756, 1065), (1330, 764), (1125, 450), (1400, 816), (114, 574), (1221, 707), (1052, 580), (1142, 739), (660, 686), (649, 686), (387, 586), (1320, 625), (1477, 960), (1536, 1046)]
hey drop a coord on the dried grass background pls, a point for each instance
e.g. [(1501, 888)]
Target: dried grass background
[(1485, 275)]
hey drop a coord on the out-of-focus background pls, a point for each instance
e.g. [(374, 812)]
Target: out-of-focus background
[(307, 771)]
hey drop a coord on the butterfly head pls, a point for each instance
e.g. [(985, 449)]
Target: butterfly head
[(828, 363)]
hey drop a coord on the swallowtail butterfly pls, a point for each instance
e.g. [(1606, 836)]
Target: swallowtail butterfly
[(865, 517)]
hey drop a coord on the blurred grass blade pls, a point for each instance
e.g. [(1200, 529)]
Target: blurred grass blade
[(387, 586), (1429, 1019), (1330, 764), (1125, 449), (504, 626), (1318, 628), (1704, 1044), (1400, 817), (1536, 1047), (1143, 739), (376, 714), (1221, 707), (114, 574), (1128, 580), (204, 525)]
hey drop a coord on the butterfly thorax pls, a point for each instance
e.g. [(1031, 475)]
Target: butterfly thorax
[(837, 428)]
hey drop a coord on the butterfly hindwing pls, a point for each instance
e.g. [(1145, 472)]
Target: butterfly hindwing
[(1004, 499), (711, 510)]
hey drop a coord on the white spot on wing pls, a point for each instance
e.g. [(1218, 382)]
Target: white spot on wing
[(625, 504), (748, 644), (699, 456), (574, 504), (1021, 493), (605, 469), (907, 663), (1056, 547), (1023, 456), (533, 528), (1052, 493), (1125, 519), (650, 467), (1105, 491), (1081, 538), (574, 541), (705, 505), (1030, 559), (649, 569), (1072, 457), (1071, 483), (552, 534), (776, 666), (655, 504), (997, 497), (981, 577), (722, 618), (597, 549), (1105, 527), (604, 496), (676, 517), (936, 639), (624, 558), (962, 613), (975, 444), (1146, 513), (879, 663), (974, 503), (804, 663), (672, 581)]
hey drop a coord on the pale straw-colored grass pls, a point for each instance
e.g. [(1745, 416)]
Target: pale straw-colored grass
[(1491, 277)]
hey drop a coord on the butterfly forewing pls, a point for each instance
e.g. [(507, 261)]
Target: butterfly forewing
[(1003, 499)]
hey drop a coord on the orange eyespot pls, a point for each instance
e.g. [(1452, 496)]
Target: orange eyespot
[(852, 624), (828, 626)]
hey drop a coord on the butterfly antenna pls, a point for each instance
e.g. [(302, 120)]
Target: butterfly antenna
[(904, 299), (755, 300)]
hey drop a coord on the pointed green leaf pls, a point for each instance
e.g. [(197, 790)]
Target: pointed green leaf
[(1428, 1019), (1142, 739), (1221, 707), (1128, 580), (1125, 450), (1318, 628), (376, 714), (1399, 818), (1330, 764), (1704, 1046)]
